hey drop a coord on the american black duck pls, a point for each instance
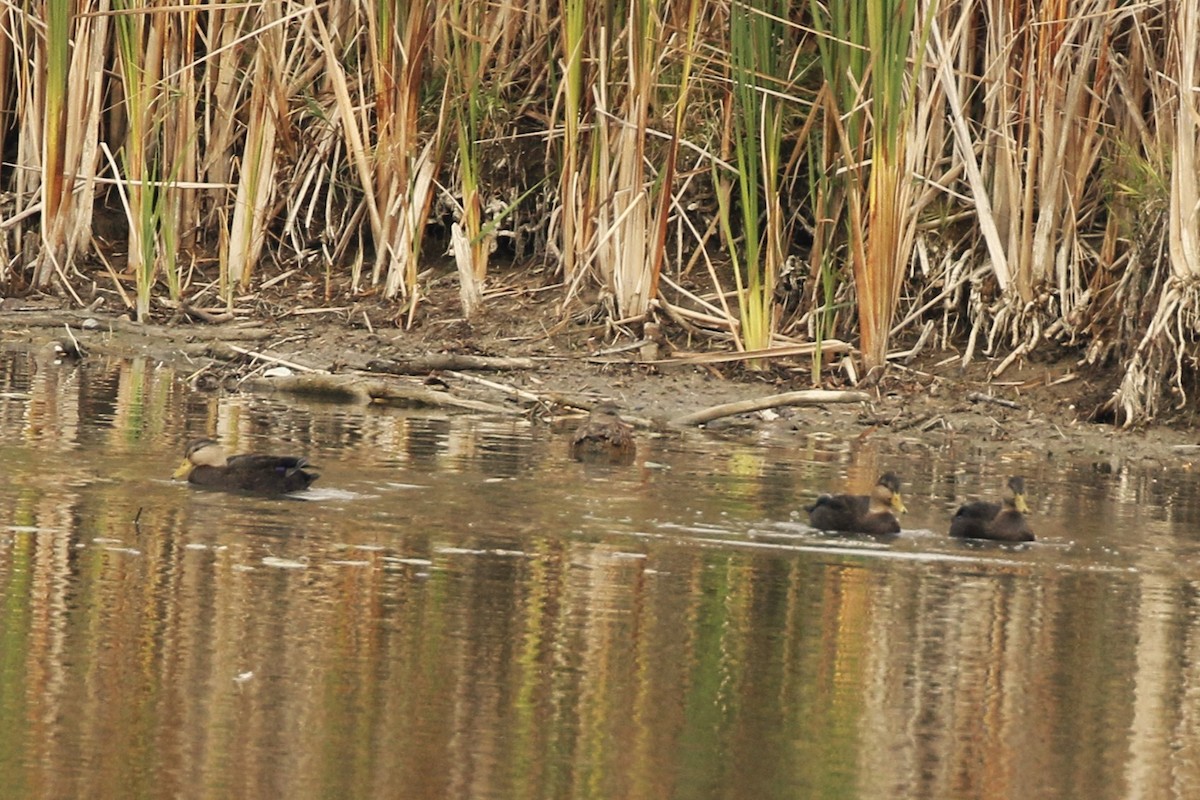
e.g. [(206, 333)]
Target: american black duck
[(59, 352), (205, 464), (1003, 522), (860, 513), (604, 437)]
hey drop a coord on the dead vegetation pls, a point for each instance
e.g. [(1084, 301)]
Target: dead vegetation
[(990, 179)]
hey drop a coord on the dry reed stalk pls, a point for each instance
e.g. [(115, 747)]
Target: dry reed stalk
[(838, 191), (1042, 130), (26, 180), (56, 186), (356, 131), (9, 23), (85, 98), (631, 220), (667, 200), (1184, 221), (827, 204), (866, 48), (633, 235), (1168, 345), (601, 253), (928, 174), (895, 36), (180, 135), (1058, 90), (221, 91), (574, 212), (380, 133), (944, 50), (139, 74), (402, 196), (760, 74), (256, 176)]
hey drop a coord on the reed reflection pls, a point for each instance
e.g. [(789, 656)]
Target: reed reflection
[(476, 615)]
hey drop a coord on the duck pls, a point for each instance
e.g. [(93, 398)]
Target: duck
[(859, 513), (57, 352), (604, 437), (1003, 522), (206, 464)]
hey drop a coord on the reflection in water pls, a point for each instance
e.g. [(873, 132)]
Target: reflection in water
[(466, 612)]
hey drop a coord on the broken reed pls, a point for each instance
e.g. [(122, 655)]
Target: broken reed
[(321, 133)]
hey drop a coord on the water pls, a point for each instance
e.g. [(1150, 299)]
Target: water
[(461, 611)]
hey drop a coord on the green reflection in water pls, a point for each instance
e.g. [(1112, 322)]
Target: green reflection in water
[(466, 613)]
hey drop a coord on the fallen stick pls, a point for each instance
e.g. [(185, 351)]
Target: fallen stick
[(621, 348), (213, 318), (908, 355), (801, 398), (500, 387), (420, 365), (979, 397), (275, 360), (1009, 359)]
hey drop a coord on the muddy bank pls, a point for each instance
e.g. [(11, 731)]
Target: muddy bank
[(507, 361)]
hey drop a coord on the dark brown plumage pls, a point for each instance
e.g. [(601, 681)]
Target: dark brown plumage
[(205, 464), (859, 513), (61, 352), (1003, 522), (604, 437)]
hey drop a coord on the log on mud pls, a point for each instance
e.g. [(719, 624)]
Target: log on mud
[(807, 397), (356, 389)]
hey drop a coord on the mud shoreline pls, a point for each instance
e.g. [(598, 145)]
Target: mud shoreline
[(1037, 408)]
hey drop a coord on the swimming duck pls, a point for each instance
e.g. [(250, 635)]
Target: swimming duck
[(205, 464), (859, 513), (604, 436), (59, 352), (1003, 522)]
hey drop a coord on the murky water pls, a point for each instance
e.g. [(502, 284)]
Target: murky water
[(459, 611)]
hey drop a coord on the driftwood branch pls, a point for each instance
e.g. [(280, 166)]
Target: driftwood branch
[(354, 389), (521, 394), (421, 365), (203, 314), (107, 324), (275, 360), (801, 398), (979, 397)]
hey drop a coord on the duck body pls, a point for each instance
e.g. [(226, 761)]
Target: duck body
[(873, 514), (604, 437), (205, 464), (1001, 522)]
